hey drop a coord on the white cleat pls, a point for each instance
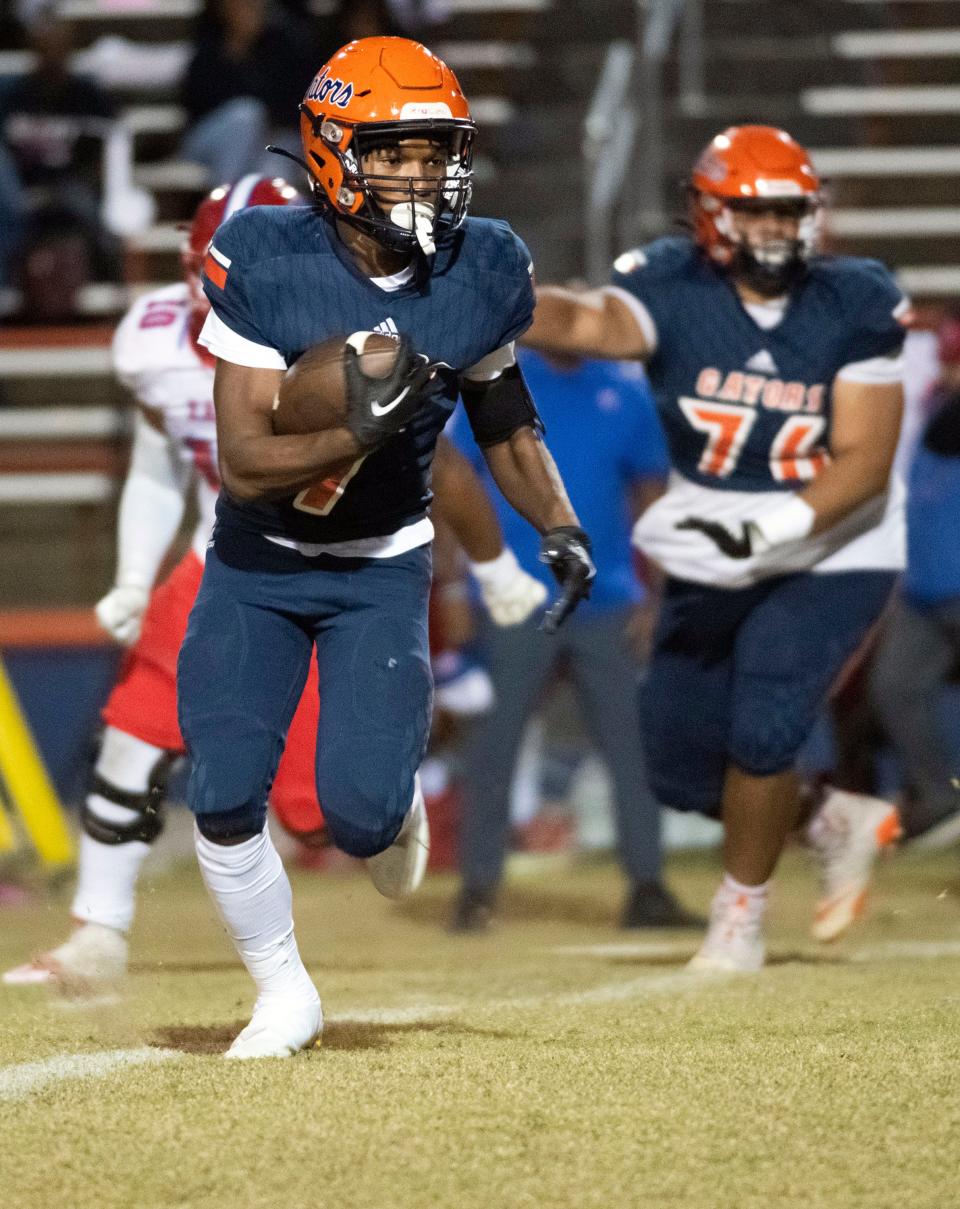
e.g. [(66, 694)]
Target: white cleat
[(94, 958), (847, 834), (279, 1028), (399, 869), (734, 941)]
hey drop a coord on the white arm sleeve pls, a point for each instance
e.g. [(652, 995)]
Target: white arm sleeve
[(229, 345), (151, 505), (492, 365), (875, 371)]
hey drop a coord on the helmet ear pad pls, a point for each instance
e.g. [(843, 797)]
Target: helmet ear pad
[(329, 160)]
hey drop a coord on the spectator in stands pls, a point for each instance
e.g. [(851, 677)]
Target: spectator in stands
[(53, 122), (608, 446), (921, 643), (243, 85)]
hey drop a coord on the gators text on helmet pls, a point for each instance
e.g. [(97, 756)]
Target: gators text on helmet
[(376, 92), (755, 168)]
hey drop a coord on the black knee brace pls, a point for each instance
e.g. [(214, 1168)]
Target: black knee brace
[(149, 807)]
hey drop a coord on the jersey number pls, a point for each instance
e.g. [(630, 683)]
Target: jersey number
[(159, 314), (322, 498), (793, 455)]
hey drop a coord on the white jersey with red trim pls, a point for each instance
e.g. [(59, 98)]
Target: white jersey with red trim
[(155, 358)]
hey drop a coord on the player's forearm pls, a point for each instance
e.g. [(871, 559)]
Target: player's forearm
[(152, 504), (528, 478), (850, 480), (149, 517), (591, 324), (270, 467)]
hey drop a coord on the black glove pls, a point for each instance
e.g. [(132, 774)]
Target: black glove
[(566, 550), (734, 545), (377, 408)]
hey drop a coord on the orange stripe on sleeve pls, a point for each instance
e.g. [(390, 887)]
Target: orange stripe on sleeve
[(215, 272)]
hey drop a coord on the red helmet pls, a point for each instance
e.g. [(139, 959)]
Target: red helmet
[(215, 209), (754, 168), (382, 90)]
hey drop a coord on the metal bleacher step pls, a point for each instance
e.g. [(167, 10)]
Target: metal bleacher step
[(69, 361), (883, 100), (884, 161), (930, 281), (897, 44), (172, 174), (899, 222), (170, 118)]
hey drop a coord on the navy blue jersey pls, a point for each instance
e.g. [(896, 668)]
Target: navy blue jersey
[(747, 408), (283, 279)]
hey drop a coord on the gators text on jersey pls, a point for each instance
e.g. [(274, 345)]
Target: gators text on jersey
[(745, 396)]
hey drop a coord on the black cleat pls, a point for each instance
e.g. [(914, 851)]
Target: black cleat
[(473, 911), (651, 905)]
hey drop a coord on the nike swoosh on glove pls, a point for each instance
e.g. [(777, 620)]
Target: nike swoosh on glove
[(509, 594), (566, 550), (121, 612), (377, 408)]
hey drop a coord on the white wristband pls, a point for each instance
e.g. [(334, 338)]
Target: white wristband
[(790, 521), (497, 572)]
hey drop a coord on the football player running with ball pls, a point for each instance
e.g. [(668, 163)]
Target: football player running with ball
[(323, 539), (777, 376), (157, 357)]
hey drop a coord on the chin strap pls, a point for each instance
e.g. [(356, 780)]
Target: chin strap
[(275, 150)]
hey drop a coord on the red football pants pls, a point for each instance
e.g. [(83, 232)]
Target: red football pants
[(143, 702)]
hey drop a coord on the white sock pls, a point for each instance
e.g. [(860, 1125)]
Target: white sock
[(249, 886), (108, 873), (754, 898)]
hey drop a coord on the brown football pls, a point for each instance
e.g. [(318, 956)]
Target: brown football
[(313, 393)]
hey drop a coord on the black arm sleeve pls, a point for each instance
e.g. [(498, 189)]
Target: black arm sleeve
[(497, 409)]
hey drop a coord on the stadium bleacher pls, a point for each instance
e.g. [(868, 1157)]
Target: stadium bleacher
[(870, 92)]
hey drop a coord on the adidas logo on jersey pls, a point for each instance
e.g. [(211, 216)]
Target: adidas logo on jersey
[(388, 328), (763, 363)]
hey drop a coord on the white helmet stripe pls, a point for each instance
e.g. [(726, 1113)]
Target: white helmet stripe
[(240, 194)]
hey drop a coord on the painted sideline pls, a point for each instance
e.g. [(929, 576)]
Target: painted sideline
[(16, 1082)]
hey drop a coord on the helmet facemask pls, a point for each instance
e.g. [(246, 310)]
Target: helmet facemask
[(411, 212), (771, 266)]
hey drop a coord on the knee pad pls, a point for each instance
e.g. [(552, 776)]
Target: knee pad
[(363, 826), (148, 805), (232, 824)]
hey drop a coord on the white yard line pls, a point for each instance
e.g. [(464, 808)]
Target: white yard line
[(16, 1082), (611, 992), (630, 948), (920, 950)]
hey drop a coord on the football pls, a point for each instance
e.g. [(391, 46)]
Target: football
[(313, 392)]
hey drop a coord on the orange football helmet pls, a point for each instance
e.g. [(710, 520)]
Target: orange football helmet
[(755, 168), (376, 92)]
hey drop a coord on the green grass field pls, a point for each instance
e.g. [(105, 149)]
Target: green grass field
[(554, 1062)]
